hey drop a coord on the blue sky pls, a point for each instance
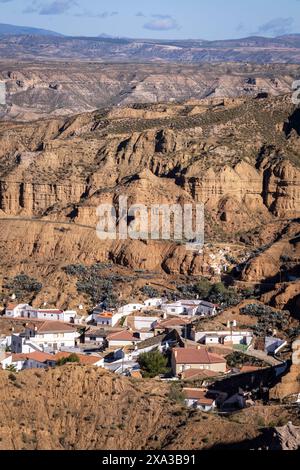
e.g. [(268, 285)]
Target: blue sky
[(162, 19)]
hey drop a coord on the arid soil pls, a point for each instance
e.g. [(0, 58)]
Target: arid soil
[(76, 407)]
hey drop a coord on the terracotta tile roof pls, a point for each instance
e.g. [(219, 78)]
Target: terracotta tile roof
[(83, 358), (36, 356), (40, 356), (54, 327), (105, 315), (198, 373), (199, 395), (19, 357), (121, 336), (196, 356)]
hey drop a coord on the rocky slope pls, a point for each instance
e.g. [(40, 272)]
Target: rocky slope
[(61, 88), (55, 173), (77, 407)]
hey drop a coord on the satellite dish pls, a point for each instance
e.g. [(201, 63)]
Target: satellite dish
[(80, 307)]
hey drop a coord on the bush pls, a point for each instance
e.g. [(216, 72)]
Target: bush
[(216, 293), (64, 360), (92, 283), (268, 318), (176, 394), (150, 292), (153, 363), (22, 285)]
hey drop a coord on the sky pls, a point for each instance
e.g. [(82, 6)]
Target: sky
[(157, 19)]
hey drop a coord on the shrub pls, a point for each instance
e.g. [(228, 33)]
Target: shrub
[(176, 394), (64, 360), (153, 363), (22, 285), (150, 292)]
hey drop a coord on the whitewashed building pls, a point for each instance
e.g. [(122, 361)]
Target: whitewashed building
[(190, 308), (48, 336), (154, 303), (222, 337), (29, 312)]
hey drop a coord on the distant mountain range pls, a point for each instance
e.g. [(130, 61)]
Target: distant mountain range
[(13, 30), (30, 43)]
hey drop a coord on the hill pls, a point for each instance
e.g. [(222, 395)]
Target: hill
[(85, 408), (9, 29), (105, 49)]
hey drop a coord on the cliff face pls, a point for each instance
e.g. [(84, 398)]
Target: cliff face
[(56, 173)]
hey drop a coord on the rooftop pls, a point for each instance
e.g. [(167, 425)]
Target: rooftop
[(54, 327), (105, 315), (196, 356), (124, 335), (36, 356), (198, 374), (199, 395), (83, 358)]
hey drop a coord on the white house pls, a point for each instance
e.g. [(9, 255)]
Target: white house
[(20, 311), (95, 336), (190, 308), (34, 360), (121, 338), (140, 323), (154, 303), (130, 308), (29, 312), (197, 398), (49, 335), (222, 337), (206, 309), (5, 360), (105, 319)]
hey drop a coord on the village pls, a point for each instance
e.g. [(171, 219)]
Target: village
[(217, 369)]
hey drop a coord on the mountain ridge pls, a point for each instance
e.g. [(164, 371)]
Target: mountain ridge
[(9, 29)]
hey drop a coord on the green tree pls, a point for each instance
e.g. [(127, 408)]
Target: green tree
[(203, 288), (11, 368), (153, 363), (64, 360)]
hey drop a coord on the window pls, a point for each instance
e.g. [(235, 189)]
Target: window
[(173, 310)]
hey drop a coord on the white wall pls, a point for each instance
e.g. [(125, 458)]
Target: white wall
[(144, 322)]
